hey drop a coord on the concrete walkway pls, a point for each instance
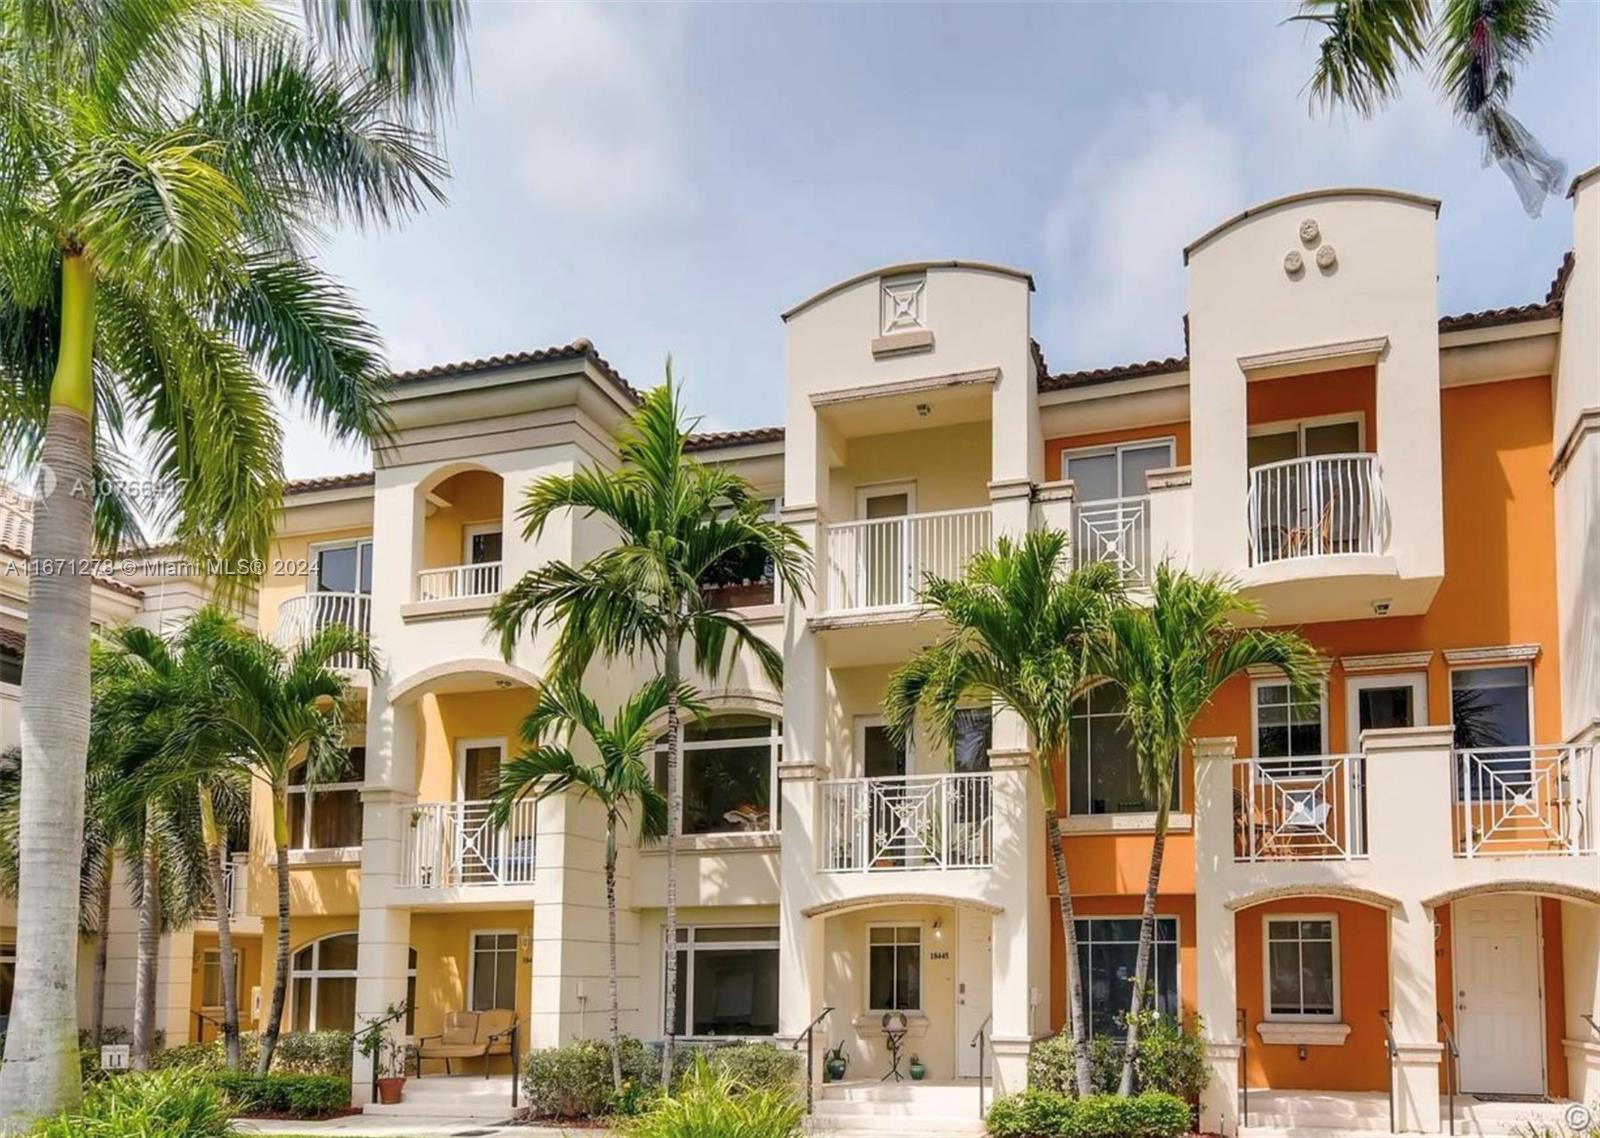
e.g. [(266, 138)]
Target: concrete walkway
[(367, 1126)]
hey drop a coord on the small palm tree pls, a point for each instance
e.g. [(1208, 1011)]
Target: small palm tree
[(270, 712), (676, 520), (619, 782), (1476, 48), (168, 167), (1022, 625), (1170, 658)]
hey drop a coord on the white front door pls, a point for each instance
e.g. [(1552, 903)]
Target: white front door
[(974, 986), (1499, 1020)]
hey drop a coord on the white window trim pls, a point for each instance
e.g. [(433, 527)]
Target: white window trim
[(866, 972), (477, 529), (1527, 670), (774, 743), (1177, 940), (689, 947), (305, 851), (1146, 818), (462, 747), (884, 490), (313, 578), (1171, 442), (1267, 1013), (1284, 426), (1354, 685), (1255, 717), (472, 966), (316, 975), (858, 742)]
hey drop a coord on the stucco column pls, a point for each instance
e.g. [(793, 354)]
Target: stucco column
[(174, 977), (1216, 933), (802, 984), (1021, 957), (382, 961)]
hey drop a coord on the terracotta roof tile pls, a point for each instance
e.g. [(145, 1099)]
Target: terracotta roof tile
[(578, 349), (328, 482), (714, 440), (1109, 374), (1493, 317), (111, 583)]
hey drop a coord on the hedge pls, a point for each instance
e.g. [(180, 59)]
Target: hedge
[(1046, 1114), (1169, 1059), (574, 1081), (300, 1095)]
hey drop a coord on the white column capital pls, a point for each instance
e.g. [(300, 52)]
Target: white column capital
[(1215, 747)]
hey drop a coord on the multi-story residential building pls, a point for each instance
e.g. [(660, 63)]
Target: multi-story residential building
[(1356, 887)]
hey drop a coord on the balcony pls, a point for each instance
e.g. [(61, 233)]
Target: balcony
[(1315, 507), (451, 845), (459, 582), (301, 617), (915, 822), (1300, 809), (881, 563), (235, 884), (1115, 531), (1523, 801)]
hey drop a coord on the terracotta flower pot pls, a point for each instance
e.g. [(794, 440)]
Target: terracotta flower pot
[(390, 1091)]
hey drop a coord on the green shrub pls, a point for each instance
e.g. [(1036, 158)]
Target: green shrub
[(171, 1104), (190, 1057), (1046, 1114), (1171, 1058), (300, 1095), (572, 1081), (757, 1066), (307, 1052), (710, 1103)]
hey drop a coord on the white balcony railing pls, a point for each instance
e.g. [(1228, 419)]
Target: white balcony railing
[(1523, 801), (1313, 507), (881, 563), (1115, 531), (303, 616), (1301, 809), (917, 822), (457, 581), (235, 885), (451, 844)]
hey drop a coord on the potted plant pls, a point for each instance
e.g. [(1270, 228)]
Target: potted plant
[(918, 1071), (834, 1064), (387, 1055)]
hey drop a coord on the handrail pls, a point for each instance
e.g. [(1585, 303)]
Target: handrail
[(201, 1019), (1394, 1058), (1594, 1027), (978, 1041), (806, 1036), (1453, 1071), (1243, 1025)]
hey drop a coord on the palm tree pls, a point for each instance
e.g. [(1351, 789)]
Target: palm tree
[(1021, 629), (413, 48), (167, 164), (272, 711), (1476, 47), (676, 520), (619, 782), (1170, 658)]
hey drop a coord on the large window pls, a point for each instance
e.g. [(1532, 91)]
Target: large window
[(1490, 707), (327, 816), (1104, 473), (730, 765), (1302, 968), (1104, 775), (494, 971), (1287, 728), (727, 981), (1281, 442), (1108, 951), (894, 968), (322, 985)]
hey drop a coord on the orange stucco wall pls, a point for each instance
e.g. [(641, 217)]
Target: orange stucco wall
[(1361, 1064), (1053, 448), (1312, 396)]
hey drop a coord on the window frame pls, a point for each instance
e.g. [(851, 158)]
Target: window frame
[(472, 965), (866, 973), (1283, 426), (685, 974), (859, 725), (1267, 1014), (1177, 943), (310, 793), (1094, 451), (867, 490), (314, 567), (1496, 665), (478, 529), (1087, 717), (774, 743), (317, 975), (212, 957), (459, 776), (1256, 685), (1417, 681)]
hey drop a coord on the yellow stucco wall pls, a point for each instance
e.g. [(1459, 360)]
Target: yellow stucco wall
[(288, 572), (443, 941), (449, 718), (949, 465), (248, 949), (474, 497)]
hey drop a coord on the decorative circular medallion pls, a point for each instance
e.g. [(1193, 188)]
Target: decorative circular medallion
[(1293, 262), (1326, 257), (1309, 232)]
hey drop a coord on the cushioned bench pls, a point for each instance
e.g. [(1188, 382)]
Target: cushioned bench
[(469, 1035)]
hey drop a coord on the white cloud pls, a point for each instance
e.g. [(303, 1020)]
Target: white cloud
[(585, 97), (1156, 176)]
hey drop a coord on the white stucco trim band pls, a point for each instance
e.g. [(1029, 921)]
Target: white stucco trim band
[(1586, 424), (1387, 662), (820, 399), (1340, 353), (1493, 654)]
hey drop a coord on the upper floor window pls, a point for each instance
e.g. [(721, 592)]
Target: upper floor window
[(328, 815), (12, 649), (743, 579), (1491, 707), (1280, 442), (1286, 727), (1103, 775), (342, 566), (729, 768), (1122, 470)]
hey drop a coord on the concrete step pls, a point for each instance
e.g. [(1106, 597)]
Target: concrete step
[(466, 1097), (846, 1110), (871, 1126)]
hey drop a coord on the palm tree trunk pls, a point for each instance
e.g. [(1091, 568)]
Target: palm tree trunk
[(41, 1075), (1069, 928), (149, 953), (102, 950), (1147, 932), (215, 852), (280, 978), (671, 672), (611, 922)]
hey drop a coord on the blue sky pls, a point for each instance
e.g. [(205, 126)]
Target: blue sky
[(669, 179)]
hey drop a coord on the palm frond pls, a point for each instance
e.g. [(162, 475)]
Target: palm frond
[(413, 49)]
